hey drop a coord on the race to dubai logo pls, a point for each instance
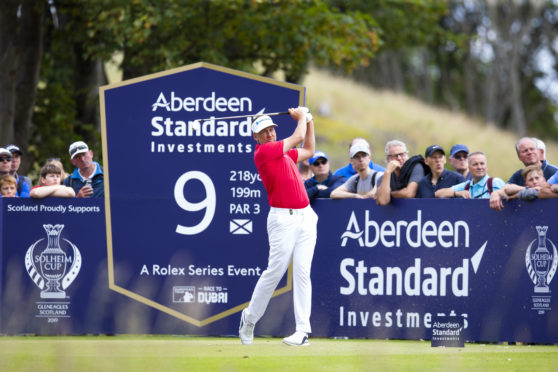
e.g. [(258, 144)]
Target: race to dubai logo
[(53, 269), (541, 265)]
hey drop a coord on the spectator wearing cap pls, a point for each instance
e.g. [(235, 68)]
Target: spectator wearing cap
[(364, 183), (6, 159), (16, 162), (348, 170), (87, 180), (529, 153), (439, 177), (480, 187), (323, 182), (458, 160), (402, 173)]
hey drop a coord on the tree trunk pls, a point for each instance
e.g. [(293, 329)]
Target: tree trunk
[(30, 43), (8, 68)]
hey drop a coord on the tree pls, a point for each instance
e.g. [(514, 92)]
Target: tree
[(21, 41), (70, 45)]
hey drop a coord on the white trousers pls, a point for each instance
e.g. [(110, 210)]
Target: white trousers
[(292, 235)]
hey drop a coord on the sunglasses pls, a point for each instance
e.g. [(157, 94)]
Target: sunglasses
[(317, 163), (5, 159), (459, 156)]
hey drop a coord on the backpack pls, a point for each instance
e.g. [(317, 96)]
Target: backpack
[(375, 175), (397, 183), (489, 186), (19, 185)]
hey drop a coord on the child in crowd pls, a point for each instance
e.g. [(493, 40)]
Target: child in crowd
[(8, 186), (58, 163), (50, 184)]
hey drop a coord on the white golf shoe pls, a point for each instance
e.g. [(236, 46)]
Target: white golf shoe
[(246, 330), (297, 339)]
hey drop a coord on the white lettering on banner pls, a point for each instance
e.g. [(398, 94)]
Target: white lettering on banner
[(415, 233), (398, 318), (210, 128), (414, 281), (54, 208), (209, 104), (201, 148), (208, 203)]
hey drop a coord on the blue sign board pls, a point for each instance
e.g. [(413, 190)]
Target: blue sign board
[(184, 199), (378, 272)]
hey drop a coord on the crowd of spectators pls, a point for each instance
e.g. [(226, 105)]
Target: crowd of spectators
[(427, 176), (87, 179)]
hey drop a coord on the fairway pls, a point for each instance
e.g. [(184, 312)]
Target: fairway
[(178, 353)]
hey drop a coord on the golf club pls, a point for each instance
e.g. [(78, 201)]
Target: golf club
[(248, 115)]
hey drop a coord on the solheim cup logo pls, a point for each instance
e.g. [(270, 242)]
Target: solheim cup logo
[(541, 264), (53, 269)]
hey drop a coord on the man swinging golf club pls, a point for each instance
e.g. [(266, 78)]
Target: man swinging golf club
[(291, 223)]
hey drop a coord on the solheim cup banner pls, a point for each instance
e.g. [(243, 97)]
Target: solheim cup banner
[(185, 208)]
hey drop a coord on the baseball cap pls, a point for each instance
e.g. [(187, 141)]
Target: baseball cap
[(14, 148), (317, 155), (4, 151), (78, 148), (359, 147), (458, 148), (430, 150), (261, 123)]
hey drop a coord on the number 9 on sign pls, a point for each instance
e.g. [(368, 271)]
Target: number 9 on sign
[(208, 203)]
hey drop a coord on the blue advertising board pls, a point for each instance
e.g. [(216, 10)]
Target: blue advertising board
[(378, 272), (383, 272), (185, 204)]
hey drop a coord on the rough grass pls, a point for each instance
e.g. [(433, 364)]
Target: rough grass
[(379, 116), (168, 353)]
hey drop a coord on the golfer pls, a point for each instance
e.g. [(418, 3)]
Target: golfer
[(291, 223)]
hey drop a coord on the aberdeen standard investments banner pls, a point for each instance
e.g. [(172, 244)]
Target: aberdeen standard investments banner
[(186, 209), (384, 272)]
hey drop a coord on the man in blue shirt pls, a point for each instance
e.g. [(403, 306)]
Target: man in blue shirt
[(87, 180), (323, 182), (348, 170), (529, 153), (480, 187), (439, 177)]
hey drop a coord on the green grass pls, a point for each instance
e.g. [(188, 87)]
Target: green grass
[(168, 353)]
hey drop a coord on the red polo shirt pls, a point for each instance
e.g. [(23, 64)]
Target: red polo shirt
[(280, 176)]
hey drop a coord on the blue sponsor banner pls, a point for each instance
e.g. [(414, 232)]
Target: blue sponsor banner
[(378, 272), (54, 270), (384, 272), (186, 211)]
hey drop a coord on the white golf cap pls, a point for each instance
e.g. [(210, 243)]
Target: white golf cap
[(4, 151), (78, 148), (261, 123), (359, 147)]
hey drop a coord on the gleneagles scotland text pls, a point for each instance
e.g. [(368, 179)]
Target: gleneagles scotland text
[(163, 126)]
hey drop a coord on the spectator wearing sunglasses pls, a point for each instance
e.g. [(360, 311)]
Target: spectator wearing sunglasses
[(364, 184), (87, 179), (480, 187), (6, 167), (458, 160), (323, 182)]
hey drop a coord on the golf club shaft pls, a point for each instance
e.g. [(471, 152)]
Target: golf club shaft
[(244, 116)]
